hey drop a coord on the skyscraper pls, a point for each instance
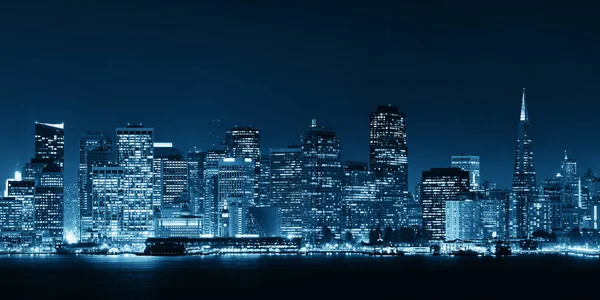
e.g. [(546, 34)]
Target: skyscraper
[(468, 163), (389, 163), (90, 141), (322, 183), (236, 192), (50, 142), (524, 178), (108, 205), (170, 176), (49, 205), (195, 166), (210, 220), (244, 142), (358, 200), (439, 185), (286, 189), (135, 153), (571, 182)]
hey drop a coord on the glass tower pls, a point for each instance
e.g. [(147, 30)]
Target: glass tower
[(135, 153), (286, 189), (468, 163), (50, 142), (244, 142), (524, 178), (439, 185)]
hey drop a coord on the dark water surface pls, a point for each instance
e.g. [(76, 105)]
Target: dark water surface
[(283, 277)]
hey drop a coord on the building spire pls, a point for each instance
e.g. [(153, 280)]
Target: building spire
[(524, 116), (565, 154)]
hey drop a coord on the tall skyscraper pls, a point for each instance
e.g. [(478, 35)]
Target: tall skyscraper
[(524, 178), (49, 205), (210, 220), (236, 192), (135, 153), (286, 189), (468, 163), (90, 141), (170, 176), (24, 190), (108, 204), (389, 162), (358, 200), (244, 142), (322, 183), (571, 182), (50, 142), (195, 166), (439, 185)]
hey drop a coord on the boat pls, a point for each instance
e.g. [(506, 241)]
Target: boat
[(464, 253)]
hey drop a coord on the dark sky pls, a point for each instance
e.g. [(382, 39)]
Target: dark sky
[(456, 69)]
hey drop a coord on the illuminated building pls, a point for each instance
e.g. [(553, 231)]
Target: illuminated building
[(71, 213), (524, 178), (286, 189), (244, 142), (170, 176), (539, 216), (236, 193), (33, 169), (468, 163), (389, 162), (50, 142), (438, 186), (24, 190), (11, 215), (186, 226), (90, 141), (265, 181), (98, 157), (463, 220), (108, 204), (417, 196), (195, 166), (210, 220), (135, 153), (494, 214), (571, 182), (48, 202), (322, 182), (358, 200)]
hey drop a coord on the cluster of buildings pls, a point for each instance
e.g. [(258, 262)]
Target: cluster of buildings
[(132, 187)]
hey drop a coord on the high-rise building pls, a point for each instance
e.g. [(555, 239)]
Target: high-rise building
[(265, 181), (440, 185), (195, 166), (286, 189), (170, 176), (90, 141), (211, 217), (463, 220), (236, 192), (48, 201), (244, 142), (322, 183), (389, 162), (11, 215), (468, 163), (495, 214), (50, 142), (135, 153), (524, 178), (571, 182), (24, 191), (359, 193), (108, 204)]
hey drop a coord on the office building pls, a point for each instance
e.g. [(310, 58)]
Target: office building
[(50, 142), (359, 200), (440, 185), (468, 163), (211, 217), (135, 153), (244, 142), (286, 188)]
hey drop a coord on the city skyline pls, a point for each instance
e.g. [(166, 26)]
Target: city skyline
[(550, 167), (456, 72)]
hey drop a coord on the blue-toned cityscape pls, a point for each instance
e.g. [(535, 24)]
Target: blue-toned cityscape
[(138, 193)]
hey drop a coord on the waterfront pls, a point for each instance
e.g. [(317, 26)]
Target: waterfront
[(144, 277)]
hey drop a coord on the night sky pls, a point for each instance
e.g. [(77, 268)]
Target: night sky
[(456, 70)]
